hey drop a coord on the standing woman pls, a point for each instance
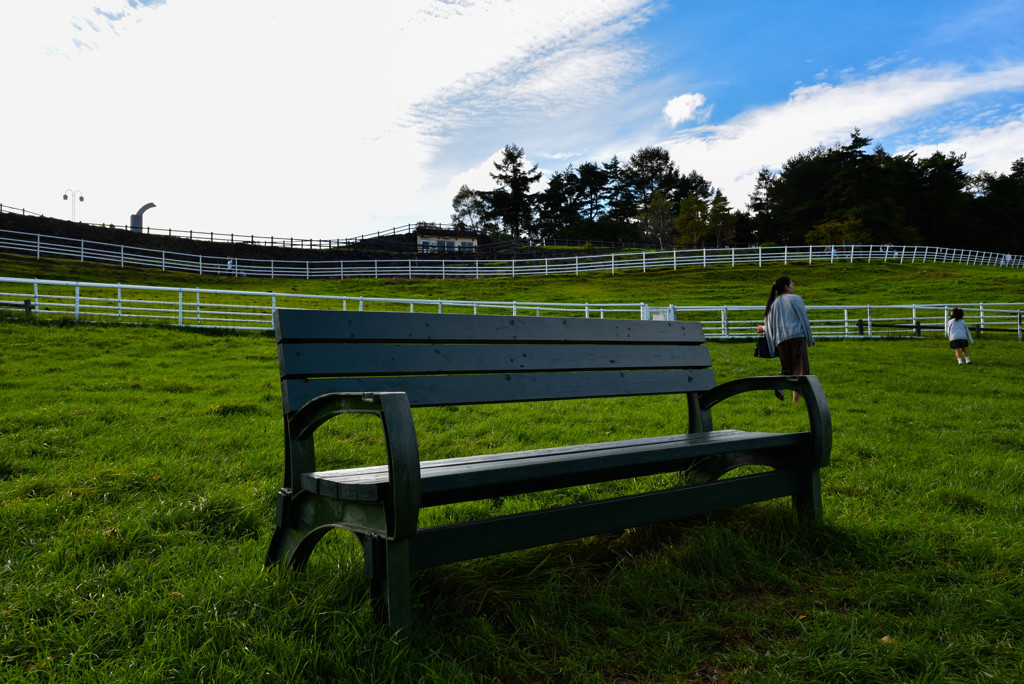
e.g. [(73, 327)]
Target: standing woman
[(788, 330)]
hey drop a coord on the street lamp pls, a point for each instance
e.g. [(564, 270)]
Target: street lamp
[(74, 194)]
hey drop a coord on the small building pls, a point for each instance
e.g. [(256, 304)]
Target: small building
[(437, 239)]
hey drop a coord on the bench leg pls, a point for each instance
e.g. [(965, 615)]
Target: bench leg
[(807, 502), (387, 566)]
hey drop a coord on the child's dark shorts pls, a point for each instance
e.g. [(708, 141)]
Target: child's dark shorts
[(958, 344)]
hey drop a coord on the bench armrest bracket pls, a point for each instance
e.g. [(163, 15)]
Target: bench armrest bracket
[(400, 437), (807, 386)]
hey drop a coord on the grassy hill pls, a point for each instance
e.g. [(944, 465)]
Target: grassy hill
[(875, 283)]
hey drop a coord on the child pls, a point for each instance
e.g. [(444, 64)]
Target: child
[(959, 335)]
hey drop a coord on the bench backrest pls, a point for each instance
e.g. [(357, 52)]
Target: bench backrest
[(456, 359)]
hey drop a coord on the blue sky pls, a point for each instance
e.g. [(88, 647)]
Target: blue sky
[(318, 118)]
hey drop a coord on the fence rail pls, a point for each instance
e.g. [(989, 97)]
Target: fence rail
[(251, 239), (246, 310), (48, 246)]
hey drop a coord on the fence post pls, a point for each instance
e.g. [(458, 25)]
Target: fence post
[(725, 321), (181, 306), (78, 293), (785, 255)]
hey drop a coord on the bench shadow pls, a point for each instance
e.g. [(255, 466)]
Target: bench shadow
[(732, 556)]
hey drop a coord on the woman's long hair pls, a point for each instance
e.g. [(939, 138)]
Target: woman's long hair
[(778, 287)]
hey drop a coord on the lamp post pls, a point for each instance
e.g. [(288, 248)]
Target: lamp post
[(72, 196)]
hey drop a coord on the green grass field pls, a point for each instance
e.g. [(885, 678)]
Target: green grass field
[(139, 466)]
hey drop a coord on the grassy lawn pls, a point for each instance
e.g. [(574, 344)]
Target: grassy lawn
[(139, 466)]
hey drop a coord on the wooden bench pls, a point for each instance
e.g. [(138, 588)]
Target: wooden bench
[(335, 362)]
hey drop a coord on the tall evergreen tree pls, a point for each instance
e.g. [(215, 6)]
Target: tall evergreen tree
[(512, 202)]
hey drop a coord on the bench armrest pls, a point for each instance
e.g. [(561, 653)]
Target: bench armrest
[(400, 437), (807, 386)]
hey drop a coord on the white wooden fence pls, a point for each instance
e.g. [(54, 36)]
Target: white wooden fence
[(250, 310), (48, 246)]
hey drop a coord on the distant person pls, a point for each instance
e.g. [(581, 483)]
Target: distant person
[(788, 330), (959, 336), (231, 265)]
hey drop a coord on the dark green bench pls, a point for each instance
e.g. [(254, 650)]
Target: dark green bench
[(335, 362)]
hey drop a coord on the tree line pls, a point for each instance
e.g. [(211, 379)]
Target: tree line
[(839, 194)]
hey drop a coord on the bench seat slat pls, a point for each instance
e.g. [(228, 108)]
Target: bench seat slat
[(323, 360), (446, 390), (368, 326), (475, 477)]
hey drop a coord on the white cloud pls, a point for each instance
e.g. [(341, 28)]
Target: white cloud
[(307, 118), (986, 149), (731, 154), (683, 108)]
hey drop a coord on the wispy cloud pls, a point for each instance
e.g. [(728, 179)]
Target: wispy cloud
[(730, 154)]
